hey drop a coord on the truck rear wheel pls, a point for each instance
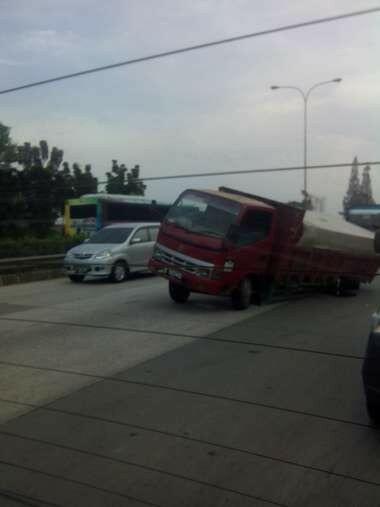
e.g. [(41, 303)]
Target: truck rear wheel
[(178, 293), (241, 297), (347, 286)]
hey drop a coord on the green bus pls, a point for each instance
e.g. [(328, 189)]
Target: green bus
[(91, 212)]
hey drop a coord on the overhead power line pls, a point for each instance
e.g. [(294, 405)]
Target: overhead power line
[(39, 193), (248, 171), (195, 47)]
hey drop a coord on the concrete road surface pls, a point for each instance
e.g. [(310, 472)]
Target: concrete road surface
[(111, 395)]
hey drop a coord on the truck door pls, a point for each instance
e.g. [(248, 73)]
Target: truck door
[(254, 241)]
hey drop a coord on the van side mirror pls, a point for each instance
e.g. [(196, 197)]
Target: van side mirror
[(377, 241), (134, 241)]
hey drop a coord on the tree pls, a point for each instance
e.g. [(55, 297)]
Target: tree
[(358, 193), (7, 148), (83, 180), (74, 182), (12, 204), (121, 180), (366, 187), (353, 194), (48, 183), (34, 183), (39, 182)]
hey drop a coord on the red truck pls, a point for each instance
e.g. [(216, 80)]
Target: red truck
[(230, 243)]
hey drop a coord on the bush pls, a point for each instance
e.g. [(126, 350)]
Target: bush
[(28, 246)]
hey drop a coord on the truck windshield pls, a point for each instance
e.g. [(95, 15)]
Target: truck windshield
[(111, 235), (204, 214)]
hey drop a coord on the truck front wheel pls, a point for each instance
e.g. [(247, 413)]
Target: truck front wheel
[(241, 297), (178, 293)]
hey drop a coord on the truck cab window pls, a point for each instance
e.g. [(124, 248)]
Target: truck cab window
[(255, 226)]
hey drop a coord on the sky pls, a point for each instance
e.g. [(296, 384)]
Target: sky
[(209, 110)]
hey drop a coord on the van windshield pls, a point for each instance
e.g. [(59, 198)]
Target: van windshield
[(111, 235), (203, 214)]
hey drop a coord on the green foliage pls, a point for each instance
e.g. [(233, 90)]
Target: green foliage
[(358, 193), (121, 180), (29, 245), (35, 183), (366, 186)]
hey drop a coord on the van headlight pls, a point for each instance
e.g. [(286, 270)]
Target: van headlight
[(106, 254)]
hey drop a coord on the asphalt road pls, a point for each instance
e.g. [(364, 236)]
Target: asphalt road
[(111, 395)]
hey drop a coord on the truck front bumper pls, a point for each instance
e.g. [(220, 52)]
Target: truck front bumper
[(217, 283)]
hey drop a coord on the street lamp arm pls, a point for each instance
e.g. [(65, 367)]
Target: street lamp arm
[(306, 95), (290, 88)]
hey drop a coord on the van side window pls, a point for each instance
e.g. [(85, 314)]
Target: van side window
[(141, 234), (153, 231), (255, 226)]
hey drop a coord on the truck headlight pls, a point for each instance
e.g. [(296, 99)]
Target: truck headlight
[(229, 265)]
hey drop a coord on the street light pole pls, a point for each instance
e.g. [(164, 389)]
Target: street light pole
[(305, 98)]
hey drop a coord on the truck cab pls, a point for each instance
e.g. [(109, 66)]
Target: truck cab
[(218, 243)]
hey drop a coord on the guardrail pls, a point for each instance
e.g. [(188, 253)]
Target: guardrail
[(27, 269)]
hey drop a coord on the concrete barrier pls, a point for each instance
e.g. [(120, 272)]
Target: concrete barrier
[(30, 269)]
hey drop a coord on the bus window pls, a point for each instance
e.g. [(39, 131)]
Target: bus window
[(83, 211), (134, 212)]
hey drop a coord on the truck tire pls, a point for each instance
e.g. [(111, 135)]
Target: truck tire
[(373, 411), (262, 292), (347, 286), (119, 272), (178, 293), (241, 297), (76, 278)]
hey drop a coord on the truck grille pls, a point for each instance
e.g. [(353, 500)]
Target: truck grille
[(185, 263), (173, 260)]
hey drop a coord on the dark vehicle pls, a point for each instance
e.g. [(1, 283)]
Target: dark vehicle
[(371, 375)]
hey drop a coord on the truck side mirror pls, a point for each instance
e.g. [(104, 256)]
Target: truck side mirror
[(377, 241)]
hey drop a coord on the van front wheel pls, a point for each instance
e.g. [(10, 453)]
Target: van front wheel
[(76, 278), (178, 293), (119, 272), (241, 296)]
